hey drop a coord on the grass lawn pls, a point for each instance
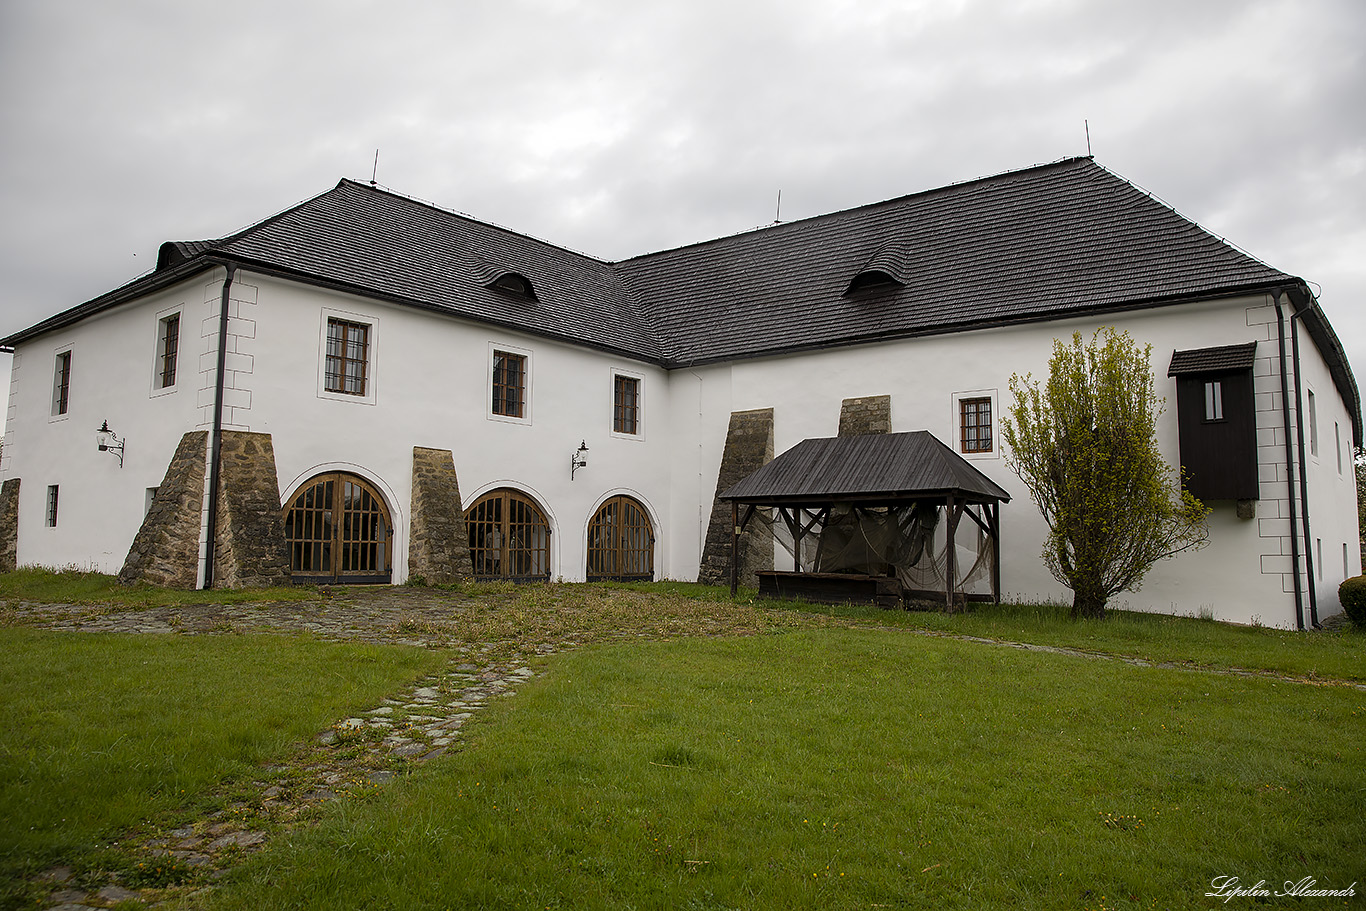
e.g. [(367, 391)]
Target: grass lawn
[(102, 732), (1340, 654), (839, 768), (72, 586)]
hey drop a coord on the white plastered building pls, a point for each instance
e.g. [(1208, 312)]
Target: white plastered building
[(367, 388)]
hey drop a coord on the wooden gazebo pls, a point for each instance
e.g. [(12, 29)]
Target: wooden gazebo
[(893, 470)]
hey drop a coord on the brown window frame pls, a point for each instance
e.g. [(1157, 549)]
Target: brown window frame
[(53, 491), (509, 387), (621, 542), (970, 414), (625, 404), (509, 537), (338, 528), (343, 368), (168, 345)]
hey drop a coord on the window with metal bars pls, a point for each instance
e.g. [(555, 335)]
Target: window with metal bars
[(61, 384), (625, 404), (52, 506), (168, 347), (621, 542), (338, 530), (509, 384), (974, 420), (509, 537), (348, 351)]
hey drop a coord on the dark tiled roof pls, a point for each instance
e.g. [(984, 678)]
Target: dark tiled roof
[(869, 467), (379, 243), (1213, 360), (1056, 240), (1052, 241)]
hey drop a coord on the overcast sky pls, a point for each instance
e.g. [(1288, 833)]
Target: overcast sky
[(622, 127)]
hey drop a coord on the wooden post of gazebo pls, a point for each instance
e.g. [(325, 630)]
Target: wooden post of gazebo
[(734, 548)]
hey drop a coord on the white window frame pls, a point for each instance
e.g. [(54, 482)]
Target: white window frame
[(53, 416), (371, 396), (612, 375), (1313, 410), (162, 316), (956, 422), (527, 397)]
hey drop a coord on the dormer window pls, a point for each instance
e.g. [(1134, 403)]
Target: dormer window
[(514, 284), (872, 280)]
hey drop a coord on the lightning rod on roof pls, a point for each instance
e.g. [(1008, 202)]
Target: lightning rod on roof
[(374, 174), (1087, 125), (778, 214)]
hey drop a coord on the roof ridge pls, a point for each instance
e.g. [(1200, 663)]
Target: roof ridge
[(931, 191)]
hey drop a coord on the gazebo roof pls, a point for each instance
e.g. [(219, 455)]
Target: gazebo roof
[(873, 468)]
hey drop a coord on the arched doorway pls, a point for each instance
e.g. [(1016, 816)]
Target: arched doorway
[(621, 542), (509, 537), (339, 530)]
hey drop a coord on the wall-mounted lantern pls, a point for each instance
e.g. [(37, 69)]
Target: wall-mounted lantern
[(108, 441), (576, 459)]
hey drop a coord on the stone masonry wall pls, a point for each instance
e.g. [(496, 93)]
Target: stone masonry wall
[(749, 446), (249, 547), (869, 414), (9, 526), (165, 550), (438, 544)]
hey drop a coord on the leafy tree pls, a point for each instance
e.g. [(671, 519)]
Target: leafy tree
[(1085, 444)]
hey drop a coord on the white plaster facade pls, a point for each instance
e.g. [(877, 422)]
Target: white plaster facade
[(430, 378)]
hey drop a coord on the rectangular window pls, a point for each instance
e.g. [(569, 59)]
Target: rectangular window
[(1318, 556), (1345, 571), (168, 346), (1337, 441), (974, 418), (151, 497), (61, 384), (348, 351), (1313, 426), (625, 404), (509, 384), (52, 506), (1214, 401)]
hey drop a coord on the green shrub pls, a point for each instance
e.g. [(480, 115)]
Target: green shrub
[(1352, 594)]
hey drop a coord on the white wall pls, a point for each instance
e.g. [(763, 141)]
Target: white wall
[(1245, 574), (114, 359), (430, 378)]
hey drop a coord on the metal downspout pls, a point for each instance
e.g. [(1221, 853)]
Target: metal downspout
[(1304, 474), (216, 436), (1289, 467)]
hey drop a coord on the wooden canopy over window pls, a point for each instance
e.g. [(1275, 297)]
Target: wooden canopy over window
[(873, 470)]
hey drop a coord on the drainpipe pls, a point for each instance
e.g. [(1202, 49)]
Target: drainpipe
[(1304, 474), (1289, 467), (216, 436)]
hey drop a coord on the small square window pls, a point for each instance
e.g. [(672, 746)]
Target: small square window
[(61, 384), (168, 349), (348, 352), (974, 421), (625, 404), (509, 384), (1214, 401), (52, 506), (151, 498)]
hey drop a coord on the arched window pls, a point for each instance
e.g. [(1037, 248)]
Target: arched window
[(509, 537), (871, 281), (621, 542), (339, 530)]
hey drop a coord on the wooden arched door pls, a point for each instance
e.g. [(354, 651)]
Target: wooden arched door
[(339, 530), (509, 537), (621, 542)]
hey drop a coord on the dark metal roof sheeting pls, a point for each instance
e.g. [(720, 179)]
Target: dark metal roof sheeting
[(1221, 359), (900, 466)]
